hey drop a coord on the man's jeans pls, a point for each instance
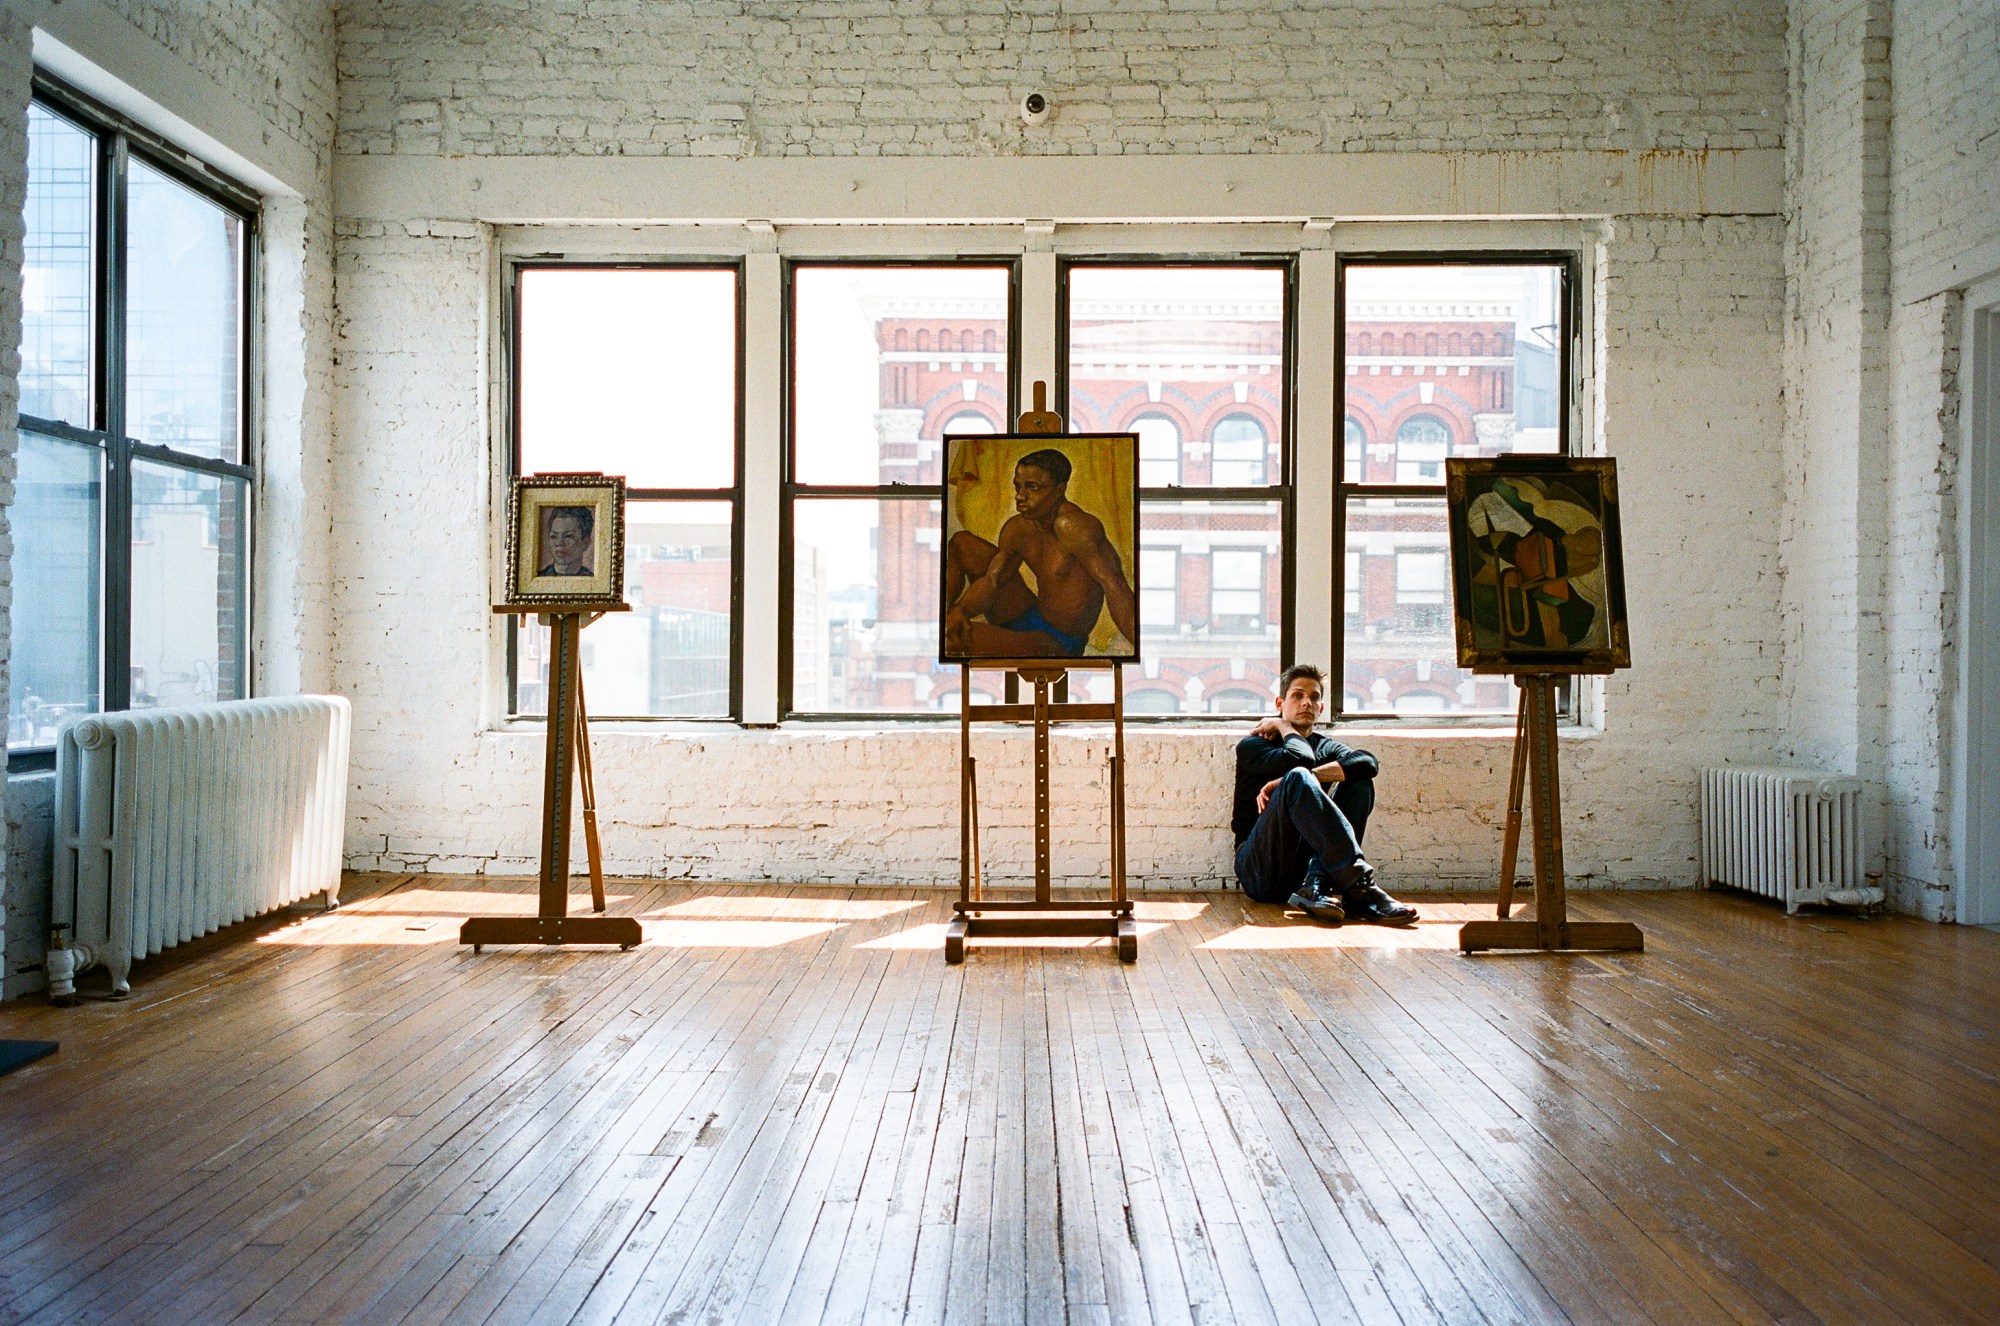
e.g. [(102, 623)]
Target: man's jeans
[(1304, 831)]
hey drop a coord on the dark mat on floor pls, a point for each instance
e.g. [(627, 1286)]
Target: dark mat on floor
[(19, 1054)]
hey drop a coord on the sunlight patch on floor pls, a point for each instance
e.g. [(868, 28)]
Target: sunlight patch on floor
[(766, 907)]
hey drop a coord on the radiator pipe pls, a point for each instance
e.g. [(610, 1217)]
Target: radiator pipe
[(65, 962)]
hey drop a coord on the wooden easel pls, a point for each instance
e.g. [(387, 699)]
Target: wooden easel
[(975, 915), (568, 747), (1535, 765)]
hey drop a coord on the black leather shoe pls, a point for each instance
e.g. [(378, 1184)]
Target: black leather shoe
[(1373, 905), (1319, 906)]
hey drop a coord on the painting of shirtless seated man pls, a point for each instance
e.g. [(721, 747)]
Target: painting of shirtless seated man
[(990, 610)]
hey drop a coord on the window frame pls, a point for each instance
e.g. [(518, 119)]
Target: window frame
[(791, 489), (513, 268), (117, 141), (1281, 488), (1345, 491)]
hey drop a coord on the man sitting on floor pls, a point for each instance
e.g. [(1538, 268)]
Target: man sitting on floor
[(1296, 842)]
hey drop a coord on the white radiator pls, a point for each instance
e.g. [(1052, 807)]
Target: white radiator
[(171, 823), (1788, 834)]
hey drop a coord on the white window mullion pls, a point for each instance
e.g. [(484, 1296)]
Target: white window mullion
[(1312, 472), (1038, 328), (763, 468)]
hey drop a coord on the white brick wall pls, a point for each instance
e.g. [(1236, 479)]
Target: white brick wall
[(258, 77), (16, 64), (1946, 56), (874, 77), (1836, 386), (1691, 318)]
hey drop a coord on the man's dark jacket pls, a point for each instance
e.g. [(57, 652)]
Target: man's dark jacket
[(1260, 759)]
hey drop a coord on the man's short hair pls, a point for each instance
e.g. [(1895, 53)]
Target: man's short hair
[(1050, 462), (1296, 671), (585, 518)]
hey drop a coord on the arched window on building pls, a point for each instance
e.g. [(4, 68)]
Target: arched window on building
[(902, 338), (1422, 702), (969, 421), (1159, 451), (1237, 700), (1421, 445), (990, 343), (1152, 700), (1354, 450), (923, 340), (1237, 457)]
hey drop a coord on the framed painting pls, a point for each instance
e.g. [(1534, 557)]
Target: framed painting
[(1538, 576), (1041, 547), (566, 539)]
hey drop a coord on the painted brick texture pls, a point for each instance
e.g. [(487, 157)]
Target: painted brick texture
[(1692, 322), (16, 64), (872, 77)]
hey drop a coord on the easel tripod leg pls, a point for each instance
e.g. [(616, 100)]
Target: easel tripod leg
[(1510, 847)]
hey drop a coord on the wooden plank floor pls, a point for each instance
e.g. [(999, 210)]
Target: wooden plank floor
[(784, 1106)]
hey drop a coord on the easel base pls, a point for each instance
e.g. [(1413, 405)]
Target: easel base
[(1568, 936), (961, 928), (481, 930)]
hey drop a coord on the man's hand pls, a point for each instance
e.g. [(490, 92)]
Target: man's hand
[(1264, 794), (1273, 729)]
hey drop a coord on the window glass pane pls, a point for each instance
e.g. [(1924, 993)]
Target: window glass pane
[(1400, 649), (184, 318), (187, 586), (670, 656), (1206, 341), (1353, 450), (629, 372), (1159, 451), (1238, 452), (865, 606), (1223, 634), (55, 270), (885, 359), (1456, 360), (57, 526), (1159, 590)]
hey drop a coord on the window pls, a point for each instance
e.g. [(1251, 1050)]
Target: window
[(1236, 596), (1237, 452), (1206, 340), (1159, 451), (632, 370), (131, 513), (1354, 449), (1420, 592), (1159, 589), (1421, 444), (1395, 587), (866, 468)]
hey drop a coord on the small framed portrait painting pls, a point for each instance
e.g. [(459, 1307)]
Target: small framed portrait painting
[(1041, 547), (1537, 572), (566, 539)]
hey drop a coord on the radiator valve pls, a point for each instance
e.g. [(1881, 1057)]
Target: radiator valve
[(64, 963)]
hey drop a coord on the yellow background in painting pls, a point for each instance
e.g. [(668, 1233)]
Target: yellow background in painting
[(979, 495)]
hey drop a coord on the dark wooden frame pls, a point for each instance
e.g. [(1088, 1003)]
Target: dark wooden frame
[(1461, 476), (954, 443), (119, 141), (1346, 492)]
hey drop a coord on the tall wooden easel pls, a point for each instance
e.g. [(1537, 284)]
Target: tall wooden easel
[(568, 749), (976, 915), (1535, 765)]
